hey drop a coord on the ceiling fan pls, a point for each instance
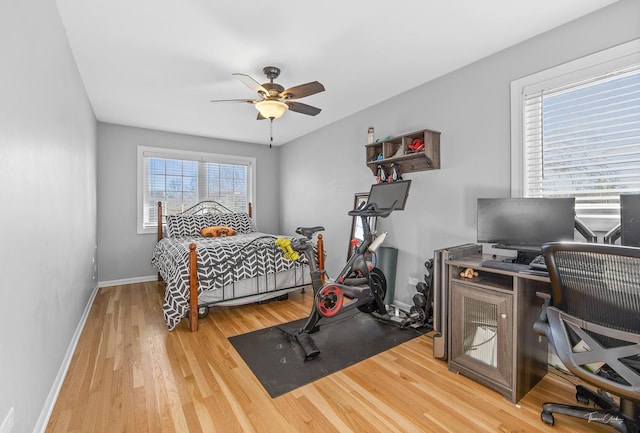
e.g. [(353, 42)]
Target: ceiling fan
[(275, 100)]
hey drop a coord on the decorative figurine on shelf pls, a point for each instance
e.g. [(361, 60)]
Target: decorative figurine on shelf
[(370, 135), (468, 273)]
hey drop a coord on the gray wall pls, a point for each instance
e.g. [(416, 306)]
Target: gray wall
[(48, 196), (122, 253), (471, 108)]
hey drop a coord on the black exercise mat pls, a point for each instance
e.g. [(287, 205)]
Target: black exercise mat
[(279, 362)]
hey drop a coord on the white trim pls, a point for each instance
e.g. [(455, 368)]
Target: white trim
[(595, 64), (123, 281), (163, 152), (45, 414), (517, 154)]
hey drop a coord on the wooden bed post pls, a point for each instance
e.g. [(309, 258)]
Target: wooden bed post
[(250, 210), (159, 221), (159, 229), (193, 287), (320, 246)]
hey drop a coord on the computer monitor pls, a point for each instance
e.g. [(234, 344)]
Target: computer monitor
[(525, 223), (630, 220), (385, 194)]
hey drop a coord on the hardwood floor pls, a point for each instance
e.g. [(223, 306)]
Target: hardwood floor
[(129, 374)]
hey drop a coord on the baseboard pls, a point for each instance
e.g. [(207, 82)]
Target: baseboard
[(128, 281), (43, 419)]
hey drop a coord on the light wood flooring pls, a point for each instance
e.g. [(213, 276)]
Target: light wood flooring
[(129, 374)]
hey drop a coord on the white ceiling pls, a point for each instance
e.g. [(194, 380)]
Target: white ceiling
[(157, 63)]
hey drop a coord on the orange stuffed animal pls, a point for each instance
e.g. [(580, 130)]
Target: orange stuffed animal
[(216, 231)]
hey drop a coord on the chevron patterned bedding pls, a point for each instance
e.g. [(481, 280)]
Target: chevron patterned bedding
[(221, 262)]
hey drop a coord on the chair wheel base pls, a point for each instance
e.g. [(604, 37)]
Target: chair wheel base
[(583, 399), (547, 418)]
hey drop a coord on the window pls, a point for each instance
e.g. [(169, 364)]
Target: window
[(576, 133), (181, 179)]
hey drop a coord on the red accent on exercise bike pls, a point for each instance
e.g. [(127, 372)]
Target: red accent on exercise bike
[(329, 300)]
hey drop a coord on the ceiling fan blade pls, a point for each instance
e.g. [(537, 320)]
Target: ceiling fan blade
[(252, 84), (302, 90), (250, 101), (303, 108)]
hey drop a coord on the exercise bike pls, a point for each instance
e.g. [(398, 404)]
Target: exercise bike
[(358, 285)]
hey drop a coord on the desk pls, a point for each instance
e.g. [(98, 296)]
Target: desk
[(490, 322)]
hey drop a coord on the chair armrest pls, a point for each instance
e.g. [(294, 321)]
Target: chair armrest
[(541, 326)]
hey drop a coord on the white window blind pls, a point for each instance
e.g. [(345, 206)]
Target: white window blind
[(181, 179), (583, 141), (577, 133)]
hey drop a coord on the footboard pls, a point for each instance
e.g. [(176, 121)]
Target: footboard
[(193, 280), (193, 283)]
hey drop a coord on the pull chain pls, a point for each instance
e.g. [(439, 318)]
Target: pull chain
[(271, 133)]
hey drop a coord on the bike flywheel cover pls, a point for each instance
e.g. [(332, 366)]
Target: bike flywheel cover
[(329, 300)]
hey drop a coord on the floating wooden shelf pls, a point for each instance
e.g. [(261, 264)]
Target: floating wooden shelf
[(396, 150)]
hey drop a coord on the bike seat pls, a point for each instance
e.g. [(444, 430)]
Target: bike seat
[(309, 231)]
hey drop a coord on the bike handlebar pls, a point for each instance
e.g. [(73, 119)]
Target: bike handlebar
[(372, 210)]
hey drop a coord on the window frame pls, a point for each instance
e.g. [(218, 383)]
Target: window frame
[(612, 59), (170, 153)]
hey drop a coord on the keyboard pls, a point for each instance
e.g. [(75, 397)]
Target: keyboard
[(505, 266), (538, 263)]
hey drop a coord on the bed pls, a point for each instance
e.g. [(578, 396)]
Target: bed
[(236, 269)]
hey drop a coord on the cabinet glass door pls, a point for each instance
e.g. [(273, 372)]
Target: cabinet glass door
[(481, 331)]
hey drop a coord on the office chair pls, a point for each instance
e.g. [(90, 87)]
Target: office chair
[(592, 321)]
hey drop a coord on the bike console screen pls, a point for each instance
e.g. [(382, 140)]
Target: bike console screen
[(385, 194)]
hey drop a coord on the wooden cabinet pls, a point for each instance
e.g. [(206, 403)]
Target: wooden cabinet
[(490, 322), (398, 150), (482, 334)]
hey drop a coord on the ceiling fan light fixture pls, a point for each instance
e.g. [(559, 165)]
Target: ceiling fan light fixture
[(271, 109)]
